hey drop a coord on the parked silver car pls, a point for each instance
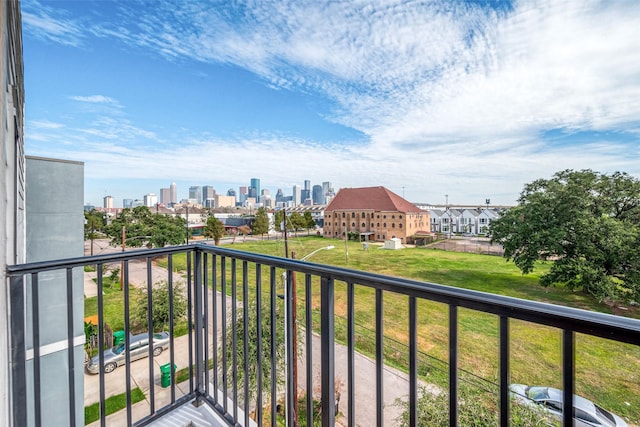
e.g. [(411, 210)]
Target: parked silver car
[(585, 412), (138, 349)]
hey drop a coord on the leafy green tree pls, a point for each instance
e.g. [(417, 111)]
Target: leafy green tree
[(278, 217), (261, 223), (309, 222), (214, 228), (253, 354), (160, 306), (475, 408), (296, 221), (94, 222), (586, 223), (142, 227)]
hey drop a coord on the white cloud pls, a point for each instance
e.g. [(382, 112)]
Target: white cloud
[(96, 99), (45, 23)]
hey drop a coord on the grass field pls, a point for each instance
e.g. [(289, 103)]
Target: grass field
[(606, 372)]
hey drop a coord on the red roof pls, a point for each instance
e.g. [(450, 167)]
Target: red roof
[(370, 198)]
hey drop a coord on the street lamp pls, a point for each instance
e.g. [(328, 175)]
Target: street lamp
[(294, 329)]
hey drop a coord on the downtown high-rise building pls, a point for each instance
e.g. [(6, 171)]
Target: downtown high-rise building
[(165, 196), (297, 195), (150, 200), (317, 195), (306, 191), (243, 193), (173, 188), (254, 188), (108, 202), (195, 193), (208, 192)]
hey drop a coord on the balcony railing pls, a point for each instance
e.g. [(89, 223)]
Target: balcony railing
[(219, 284)]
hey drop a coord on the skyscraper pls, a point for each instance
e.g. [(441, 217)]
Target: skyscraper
[(108, 202), (174, 193), (243, 193), (195, 193), (165, 196), (297, 195), (208, 192), (150, 200), (254, 188), (317, 195)]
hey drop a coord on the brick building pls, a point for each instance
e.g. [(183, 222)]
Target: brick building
[(375, 213)]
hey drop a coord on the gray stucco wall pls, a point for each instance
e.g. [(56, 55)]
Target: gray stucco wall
[(55, 230)]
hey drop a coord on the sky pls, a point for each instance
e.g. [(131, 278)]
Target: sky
[(441, 100)]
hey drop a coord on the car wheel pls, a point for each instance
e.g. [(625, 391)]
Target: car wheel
[(157, 351), (109, 367)]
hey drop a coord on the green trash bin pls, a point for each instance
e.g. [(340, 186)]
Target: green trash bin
[(166, 374), (118, 337)]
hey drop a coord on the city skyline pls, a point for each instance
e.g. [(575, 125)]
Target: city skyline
[(464, 98)]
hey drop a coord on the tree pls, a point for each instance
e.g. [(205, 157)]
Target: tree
[(142, 227), (244, 230), (309, 222), (160, 306), (261, 224), (94, 222), (214, 228), (586, 223), (475, 408), (253, 354), (295, 221), (278, 218)]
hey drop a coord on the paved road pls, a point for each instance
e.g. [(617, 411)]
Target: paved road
[(395, 383)]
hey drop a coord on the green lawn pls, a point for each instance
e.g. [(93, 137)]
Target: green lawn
[(112, 404), (607, 372)]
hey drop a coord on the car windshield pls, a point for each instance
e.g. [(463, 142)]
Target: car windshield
[(158, 336), (537, 393), (605, 414), (118, 349)]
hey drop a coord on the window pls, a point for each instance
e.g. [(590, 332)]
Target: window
[(393, 217), (384, 216), (393, 225), (344, 224), (362, 214), (400, 225), (353, 224), (353, 214), (378, 216), (364, 225), (400, 217), (378, 225), (343, 214), (384, 225)]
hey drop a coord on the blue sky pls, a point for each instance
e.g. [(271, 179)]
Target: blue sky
[(470, 99)]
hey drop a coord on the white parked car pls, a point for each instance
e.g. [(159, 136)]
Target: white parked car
[(585, 412)]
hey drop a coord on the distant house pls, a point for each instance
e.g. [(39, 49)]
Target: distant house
[(375, 213)]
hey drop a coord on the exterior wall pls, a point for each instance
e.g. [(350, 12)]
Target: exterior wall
[(12, 189), (55, 229), (224, 201), (381, 225)]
